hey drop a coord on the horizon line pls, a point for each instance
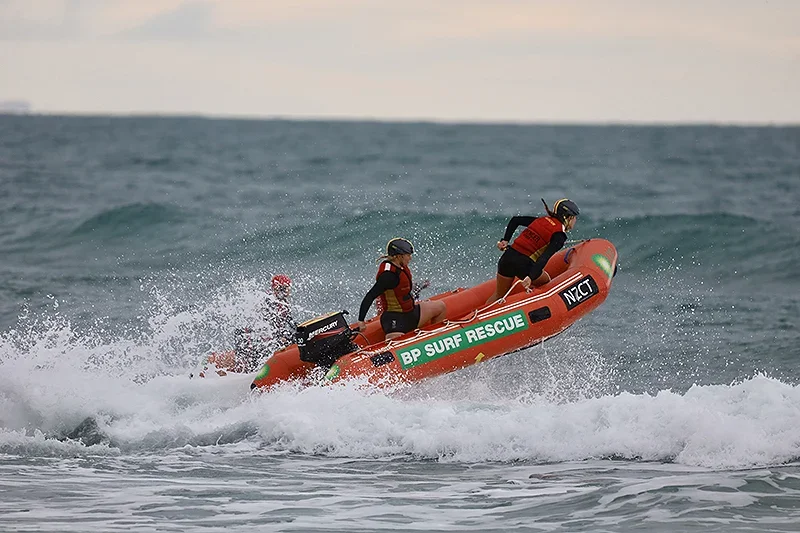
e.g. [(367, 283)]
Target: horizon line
[(392, 120)]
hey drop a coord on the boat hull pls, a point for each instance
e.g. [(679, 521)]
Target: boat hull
[(473, 332)]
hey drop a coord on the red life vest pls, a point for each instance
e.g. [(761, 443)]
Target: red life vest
[(399, 299), (534, 239)]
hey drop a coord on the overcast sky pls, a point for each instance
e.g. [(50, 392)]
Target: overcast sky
[(478, 60)]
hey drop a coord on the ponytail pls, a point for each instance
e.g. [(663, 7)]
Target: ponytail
[(547, 209)]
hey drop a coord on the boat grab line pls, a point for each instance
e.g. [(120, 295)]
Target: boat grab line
[(451, 324)]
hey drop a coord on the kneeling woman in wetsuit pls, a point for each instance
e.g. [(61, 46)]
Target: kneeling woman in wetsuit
[(527, 256), (395, 292)]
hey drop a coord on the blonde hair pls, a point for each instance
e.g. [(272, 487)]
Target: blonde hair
[(387, 256)]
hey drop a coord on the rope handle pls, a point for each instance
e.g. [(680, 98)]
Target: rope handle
[(446, 323)]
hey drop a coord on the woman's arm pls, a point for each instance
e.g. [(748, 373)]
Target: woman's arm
[(514, 223), (386, 281), (556, 243)]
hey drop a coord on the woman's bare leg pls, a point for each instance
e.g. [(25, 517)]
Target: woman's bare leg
[(541, 280), (431, 311), (501, 288)]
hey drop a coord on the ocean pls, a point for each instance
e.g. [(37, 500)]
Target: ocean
[(132, 247)]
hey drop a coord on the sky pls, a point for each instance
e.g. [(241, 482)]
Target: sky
[(584, 61)]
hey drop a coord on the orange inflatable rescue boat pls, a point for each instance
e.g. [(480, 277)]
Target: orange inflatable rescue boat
[(472, 333)]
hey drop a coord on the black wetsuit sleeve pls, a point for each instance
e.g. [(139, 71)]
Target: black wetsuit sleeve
[(288, 328), (386, 281), (557, 242), (514, 223), (282, 322)]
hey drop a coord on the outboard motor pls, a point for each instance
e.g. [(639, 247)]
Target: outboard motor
[(325, 339)]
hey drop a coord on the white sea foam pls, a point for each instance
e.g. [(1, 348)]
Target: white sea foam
[(538, 405), (756, 422)]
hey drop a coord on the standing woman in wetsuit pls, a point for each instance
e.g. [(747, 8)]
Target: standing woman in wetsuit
[(395, 292), (527, 256)]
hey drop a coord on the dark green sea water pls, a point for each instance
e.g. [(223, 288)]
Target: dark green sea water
[(131, 247)]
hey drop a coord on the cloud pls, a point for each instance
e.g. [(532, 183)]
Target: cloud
[(529, 59), (47, 20), (189, 21), (74, 20)]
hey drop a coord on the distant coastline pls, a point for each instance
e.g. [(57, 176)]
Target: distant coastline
[(15, 107), (27, 109)]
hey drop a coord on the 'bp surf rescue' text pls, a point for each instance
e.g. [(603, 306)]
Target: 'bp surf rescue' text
[(480, 333)]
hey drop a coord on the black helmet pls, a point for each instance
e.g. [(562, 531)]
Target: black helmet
[(565, 208), (399, 246)]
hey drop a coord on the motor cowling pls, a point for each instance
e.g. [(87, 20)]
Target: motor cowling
[(324, 339)]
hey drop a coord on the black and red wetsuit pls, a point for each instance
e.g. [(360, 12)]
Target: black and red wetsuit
[(530, 252), (393, 289)]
